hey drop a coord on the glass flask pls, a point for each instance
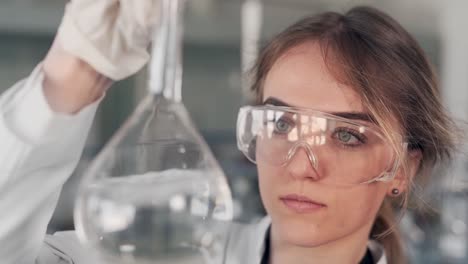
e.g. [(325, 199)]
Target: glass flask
[(155, 193)]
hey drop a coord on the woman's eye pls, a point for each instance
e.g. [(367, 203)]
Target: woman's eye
[(349, 138), (282, 126)]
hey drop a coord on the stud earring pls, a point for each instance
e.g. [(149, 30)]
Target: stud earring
[(395, 192)]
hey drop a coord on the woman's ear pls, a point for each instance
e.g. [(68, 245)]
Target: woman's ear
[(405, 173)]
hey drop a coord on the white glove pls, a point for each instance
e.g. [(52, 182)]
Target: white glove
[(111, 35)]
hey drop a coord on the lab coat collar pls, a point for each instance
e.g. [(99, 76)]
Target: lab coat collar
[(377, 250), (261, 236)]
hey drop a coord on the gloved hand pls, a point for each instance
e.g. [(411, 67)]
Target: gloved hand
[(110, 35)]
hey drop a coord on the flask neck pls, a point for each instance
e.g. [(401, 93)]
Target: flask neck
[(165, 71)]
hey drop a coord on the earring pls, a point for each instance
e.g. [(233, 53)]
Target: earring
[(395, 192)]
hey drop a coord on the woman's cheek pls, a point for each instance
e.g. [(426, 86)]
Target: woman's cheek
[(269, 180), (265, 182), (356, 206)]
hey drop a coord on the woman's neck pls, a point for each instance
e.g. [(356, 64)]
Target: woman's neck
[(347, 250)]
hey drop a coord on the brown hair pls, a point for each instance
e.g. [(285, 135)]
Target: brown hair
[(376, 56)]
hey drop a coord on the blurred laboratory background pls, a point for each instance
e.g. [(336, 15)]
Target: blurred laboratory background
[(217, 52)]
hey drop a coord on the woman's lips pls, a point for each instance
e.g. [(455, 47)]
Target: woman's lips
[(301, 204)]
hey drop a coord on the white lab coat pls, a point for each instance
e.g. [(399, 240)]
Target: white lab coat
[(39, 150)]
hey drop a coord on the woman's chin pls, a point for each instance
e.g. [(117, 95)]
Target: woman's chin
[(303, 235)]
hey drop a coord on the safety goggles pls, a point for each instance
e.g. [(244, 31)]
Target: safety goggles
[(342, 151)]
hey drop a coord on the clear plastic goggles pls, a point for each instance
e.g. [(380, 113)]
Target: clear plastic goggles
[(342, 151)]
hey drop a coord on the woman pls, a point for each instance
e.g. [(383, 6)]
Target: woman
[(348, 116)]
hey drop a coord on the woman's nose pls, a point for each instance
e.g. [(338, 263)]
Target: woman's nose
[(303, 163)]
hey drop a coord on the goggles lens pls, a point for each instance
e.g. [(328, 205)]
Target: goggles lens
[(342, 150)]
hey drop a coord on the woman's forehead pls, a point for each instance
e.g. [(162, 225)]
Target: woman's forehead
[(301, 78)]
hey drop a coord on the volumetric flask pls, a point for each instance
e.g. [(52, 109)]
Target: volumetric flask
[(155, 193)]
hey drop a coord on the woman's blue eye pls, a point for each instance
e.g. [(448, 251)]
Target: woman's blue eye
[(349, 138), (282, 126), (346, 137)]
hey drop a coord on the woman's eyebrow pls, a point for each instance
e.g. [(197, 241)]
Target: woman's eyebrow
[(348, 115), (276, 102), (355, 116)]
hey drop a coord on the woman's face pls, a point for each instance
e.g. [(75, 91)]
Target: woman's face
[(300, 78)]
